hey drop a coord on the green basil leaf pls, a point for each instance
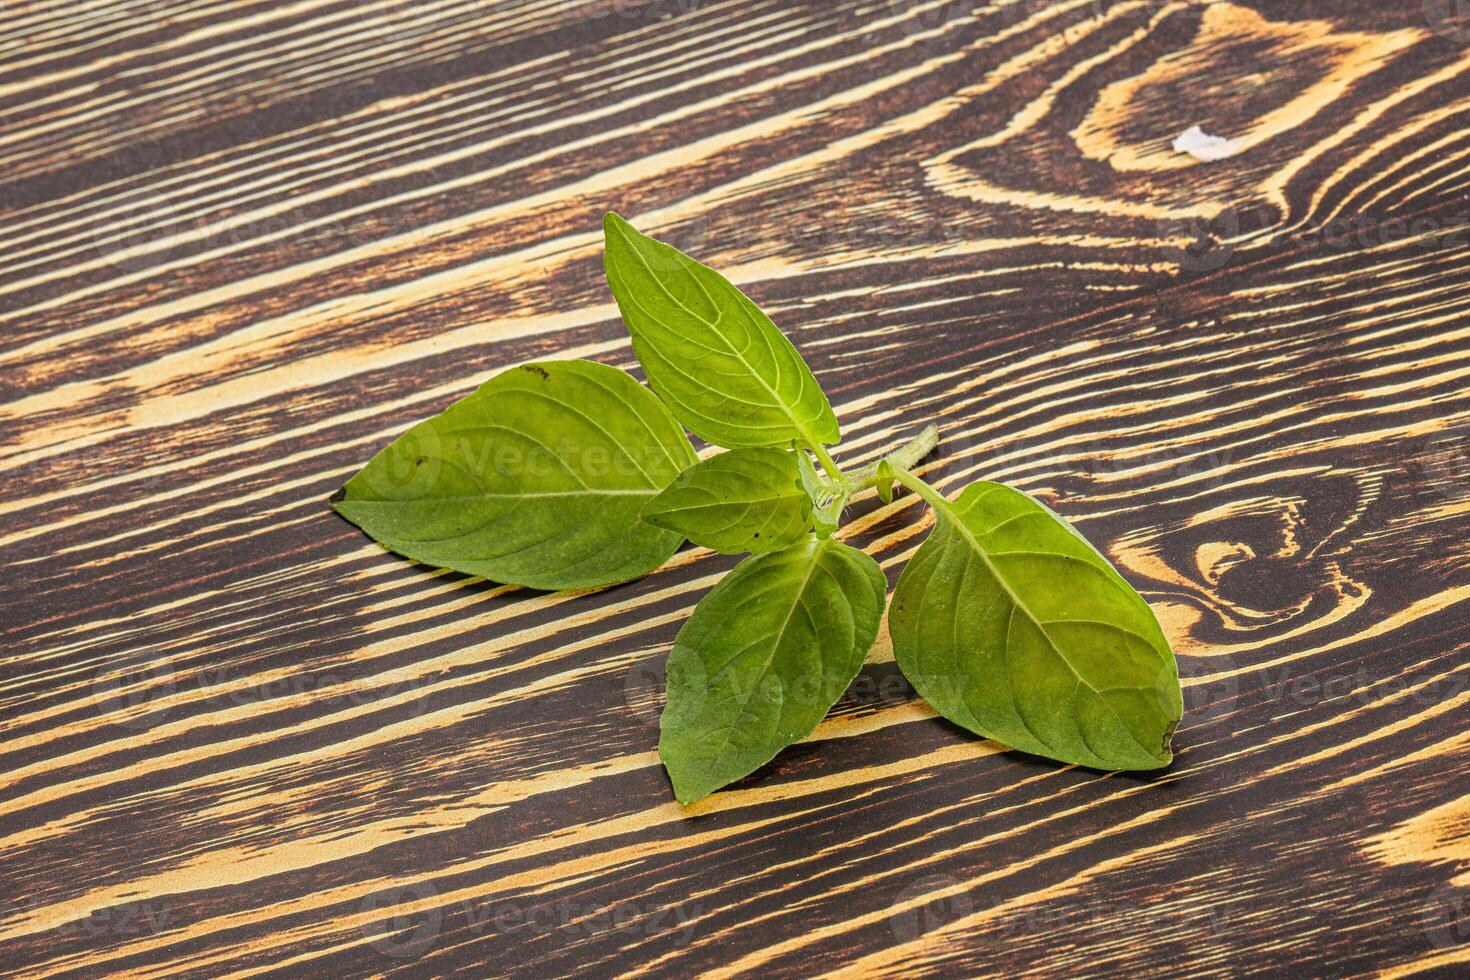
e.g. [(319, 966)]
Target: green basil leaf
[(536, 479), (1010, 624), (743, 500), (719, 363), (764, 656)]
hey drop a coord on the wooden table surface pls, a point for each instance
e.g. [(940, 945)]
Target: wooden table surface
[(246, 243)]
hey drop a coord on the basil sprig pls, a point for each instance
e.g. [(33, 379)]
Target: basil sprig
[(571, 475)]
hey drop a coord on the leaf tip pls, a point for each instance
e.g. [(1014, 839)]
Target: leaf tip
[(687, 790)]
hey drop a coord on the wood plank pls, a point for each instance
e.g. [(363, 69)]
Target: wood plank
[(247, 243)]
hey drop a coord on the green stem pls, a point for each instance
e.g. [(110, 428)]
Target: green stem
[(901, 458), (825, 458), (933, 497), (916, 448)]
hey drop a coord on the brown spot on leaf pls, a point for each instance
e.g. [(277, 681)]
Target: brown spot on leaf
[(1168, 735)]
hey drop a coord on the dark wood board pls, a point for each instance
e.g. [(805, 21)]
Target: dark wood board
[(246, 243)]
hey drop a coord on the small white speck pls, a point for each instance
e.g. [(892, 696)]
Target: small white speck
[(1202, 146)]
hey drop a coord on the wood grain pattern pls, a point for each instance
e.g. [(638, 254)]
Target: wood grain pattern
[(246, 243)]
